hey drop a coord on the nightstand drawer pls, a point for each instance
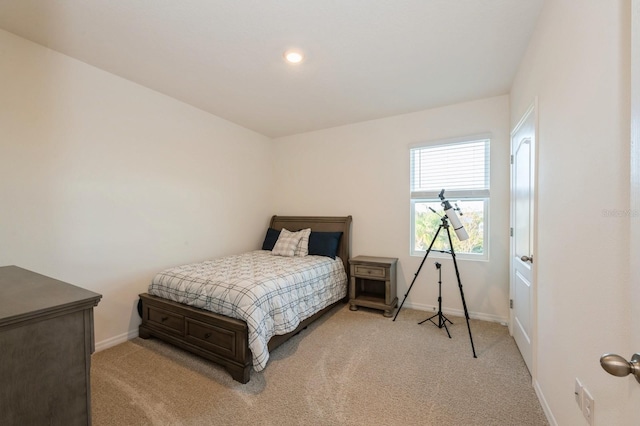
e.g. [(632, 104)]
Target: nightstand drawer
[(370, 271), (166, 319)]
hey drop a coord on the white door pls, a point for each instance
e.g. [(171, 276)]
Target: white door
[(629, 406), (634, 296), (522, 263)]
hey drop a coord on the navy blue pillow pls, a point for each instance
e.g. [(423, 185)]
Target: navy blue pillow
[(324, 243), (270, 239)]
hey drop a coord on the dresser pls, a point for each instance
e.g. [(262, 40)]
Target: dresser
[(46, 342)]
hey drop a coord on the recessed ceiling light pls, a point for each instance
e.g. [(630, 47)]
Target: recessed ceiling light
[(293, 56)]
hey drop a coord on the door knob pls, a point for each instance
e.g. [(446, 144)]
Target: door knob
[(618, 366), (527, 258)]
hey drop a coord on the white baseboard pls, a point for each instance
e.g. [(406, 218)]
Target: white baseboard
[(543, 403), (116, 340), (458, 313), (106, 344)]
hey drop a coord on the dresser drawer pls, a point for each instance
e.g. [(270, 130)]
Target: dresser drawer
[(164, 319), (369, 271)]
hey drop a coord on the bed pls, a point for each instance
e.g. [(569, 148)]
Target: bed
[(223, 337)]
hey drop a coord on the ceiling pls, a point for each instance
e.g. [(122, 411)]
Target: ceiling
[(364, 59)]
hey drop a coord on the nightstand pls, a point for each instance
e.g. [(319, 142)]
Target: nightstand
[(373, 283)]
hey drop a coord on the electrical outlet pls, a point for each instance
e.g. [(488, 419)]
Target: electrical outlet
[(588, 406), (578, 393)]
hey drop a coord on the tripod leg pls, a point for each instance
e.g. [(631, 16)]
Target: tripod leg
[(428, 319), (464, 304), (417, 272), (443, 320)]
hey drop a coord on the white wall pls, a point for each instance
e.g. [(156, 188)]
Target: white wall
[(578, 66), (363, 170), (104, 182)]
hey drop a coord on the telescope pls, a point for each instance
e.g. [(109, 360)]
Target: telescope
[(450, 211)]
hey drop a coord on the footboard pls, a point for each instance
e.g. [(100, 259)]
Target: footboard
[(218, 338)]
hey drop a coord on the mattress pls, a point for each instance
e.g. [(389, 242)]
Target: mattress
[(272, 294)]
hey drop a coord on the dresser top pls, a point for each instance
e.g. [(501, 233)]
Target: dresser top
[(373, 260), (25, 295)]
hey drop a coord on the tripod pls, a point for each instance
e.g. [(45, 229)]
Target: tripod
[(445, 225), (442, 320)]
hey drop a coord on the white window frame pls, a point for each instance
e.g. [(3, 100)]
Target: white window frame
[(477, 194)]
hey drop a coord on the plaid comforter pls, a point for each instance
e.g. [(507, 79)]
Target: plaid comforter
[(272, 294)]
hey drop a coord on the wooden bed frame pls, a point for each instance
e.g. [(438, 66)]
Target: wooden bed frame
[(221, 339)]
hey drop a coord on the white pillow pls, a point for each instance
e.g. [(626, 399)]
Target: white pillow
[(287, 243), (303, 245)]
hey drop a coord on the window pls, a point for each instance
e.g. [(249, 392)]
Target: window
[(461, 168)]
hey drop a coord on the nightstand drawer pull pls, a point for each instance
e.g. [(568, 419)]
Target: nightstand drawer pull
[(207, 335), (163, 319), (370, 271)]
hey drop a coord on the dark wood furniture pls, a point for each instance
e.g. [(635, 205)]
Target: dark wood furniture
[(373, 283), (221, 339), (46, 342)]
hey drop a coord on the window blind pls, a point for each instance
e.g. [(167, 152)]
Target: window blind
[(461, 168)]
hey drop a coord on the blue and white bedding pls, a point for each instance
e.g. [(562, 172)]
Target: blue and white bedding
[(272, 294)]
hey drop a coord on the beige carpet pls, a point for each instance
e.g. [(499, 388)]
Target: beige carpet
[(348, 368)]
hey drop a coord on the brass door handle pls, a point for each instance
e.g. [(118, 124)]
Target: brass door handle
[(527, 258), (620, 367)]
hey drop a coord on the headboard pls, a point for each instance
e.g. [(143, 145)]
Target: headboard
[(320, 224)]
